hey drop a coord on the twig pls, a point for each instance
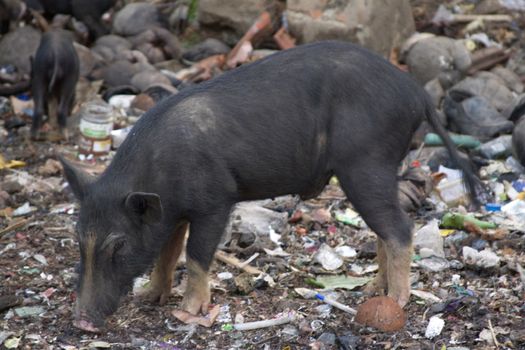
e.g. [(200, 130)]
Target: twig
[(336, 304), (31, 177), (493, 335), (469, 18), (425, 314), (14, 226), (264, 324), (8, 301), (331, 198), (521, 273), (233, 261), (248, 261)]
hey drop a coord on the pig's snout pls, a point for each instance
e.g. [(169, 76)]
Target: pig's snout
[(82, 321)]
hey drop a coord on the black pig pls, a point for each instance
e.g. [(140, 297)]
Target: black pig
[(88, 11), (284, 124), (54, 75)]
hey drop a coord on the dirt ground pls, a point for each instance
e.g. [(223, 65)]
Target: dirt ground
[(477, 300), (481, 308)]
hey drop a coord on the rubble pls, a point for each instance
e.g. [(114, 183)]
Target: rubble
[(380, 27)]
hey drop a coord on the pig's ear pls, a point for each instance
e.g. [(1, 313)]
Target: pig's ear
[(78, 180), (145, 206)]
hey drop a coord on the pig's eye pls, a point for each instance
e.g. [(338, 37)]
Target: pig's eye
[(118, 246), (117, 249)]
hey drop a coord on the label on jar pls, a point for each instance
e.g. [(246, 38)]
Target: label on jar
[(101, 146), (95, 130), (94, 146)]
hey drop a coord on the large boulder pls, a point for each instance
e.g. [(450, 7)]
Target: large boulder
[(109, 47), (18, 46), (491, 87), (157, 44), (136, 18), (88, 59), (230, 17), (145, 79), (438, 57), (377, 25)]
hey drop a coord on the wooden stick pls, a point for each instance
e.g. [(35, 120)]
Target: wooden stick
[(496, 343), (233, 261), (14, 226), (521, 272), (249, 260), (490, 18), (8, 301), (265, 323)]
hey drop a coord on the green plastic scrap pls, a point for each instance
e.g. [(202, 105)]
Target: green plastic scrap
[(227, 327), (342, 281), (28, 311), (29, 271), (349, 217), (312, 282), (465, 141), (457, 221)]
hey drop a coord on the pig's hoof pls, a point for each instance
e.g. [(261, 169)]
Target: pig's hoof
[(56, 136), (64, 134), (37, 136), (155, 294), (196, 304), (86, 326)]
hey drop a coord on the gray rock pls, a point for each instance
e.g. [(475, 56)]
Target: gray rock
[(377, 25), (207, 48), (349, 341), (489, 87), (143, 80), (157, 44), (327, 339), (438, 57), (231, 17), (511, 79), (114, 41), (136, 18), (88, 59), (17, 46), (118, 73), (111, 47), (516, 63)]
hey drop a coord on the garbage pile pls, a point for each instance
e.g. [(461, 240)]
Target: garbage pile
[(289, 273)]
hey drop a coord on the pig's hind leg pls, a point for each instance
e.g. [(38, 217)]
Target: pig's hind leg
[(67, 99), (371, 186), (39, 92)]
